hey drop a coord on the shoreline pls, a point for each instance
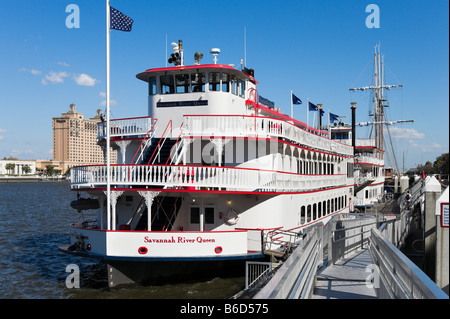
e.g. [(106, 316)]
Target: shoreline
[(29, 179)]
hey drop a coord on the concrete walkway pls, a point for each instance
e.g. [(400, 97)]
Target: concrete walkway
[(346, 279)]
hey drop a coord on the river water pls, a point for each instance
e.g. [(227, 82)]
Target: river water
[(34, 219)]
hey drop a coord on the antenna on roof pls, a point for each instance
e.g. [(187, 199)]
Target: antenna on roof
[(215, 52)]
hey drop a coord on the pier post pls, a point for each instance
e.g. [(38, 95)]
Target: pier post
[(432, 192), (442, 249)]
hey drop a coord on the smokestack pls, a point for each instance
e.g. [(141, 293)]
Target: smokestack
[(353, 108), (319, 122)]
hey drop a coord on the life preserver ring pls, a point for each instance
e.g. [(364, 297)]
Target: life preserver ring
[(232, 217)]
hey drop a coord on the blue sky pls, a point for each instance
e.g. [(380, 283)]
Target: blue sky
[(317, 48)]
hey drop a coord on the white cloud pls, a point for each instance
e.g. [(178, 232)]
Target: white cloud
[(63, 63), (84, 79), (111, 103), (2, 131), (433, 147), (35, 72), (103, 103), (409, 133), (32, 71), (54, 78), (20, 152)]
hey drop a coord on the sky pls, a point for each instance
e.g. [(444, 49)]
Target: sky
[(316, 48)]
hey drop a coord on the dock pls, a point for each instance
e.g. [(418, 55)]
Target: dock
[(349, 278), (361, 257)]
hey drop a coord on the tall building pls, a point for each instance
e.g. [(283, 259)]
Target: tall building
[(75, 140)]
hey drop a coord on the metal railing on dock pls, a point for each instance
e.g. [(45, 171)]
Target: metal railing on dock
[(295, 278), (394, 275), (398, 277)]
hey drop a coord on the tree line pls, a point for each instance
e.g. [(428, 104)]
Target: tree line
[(439, 166)]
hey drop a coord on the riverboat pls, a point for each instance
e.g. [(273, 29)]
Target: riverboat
[(212, 174)]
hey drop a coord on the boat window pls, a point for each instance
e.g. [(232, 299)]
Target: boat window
[(225, 82), (182, 83), (314, 211), (302, 215), (195, 215), (308, 218), (234, 86), (198, 82), (152, 85), (319, 210), (324, 208), (328, 207), (241, 88), (167, 85), (209, 215), (214, 81)]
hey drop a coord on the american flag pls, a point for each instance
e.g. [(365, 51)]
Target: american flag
[(119, 21)]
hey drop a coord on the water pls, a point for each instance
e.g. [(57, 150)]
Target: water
[(34, 219)]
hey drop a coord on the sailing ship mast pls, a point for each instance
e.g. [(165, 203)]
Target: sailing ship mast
[(378, 105)]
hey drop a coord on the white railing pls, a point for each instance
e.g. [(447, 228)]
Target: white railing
[(369, 159), (125, 127), (223, 178), (263, 127), (365, 142)]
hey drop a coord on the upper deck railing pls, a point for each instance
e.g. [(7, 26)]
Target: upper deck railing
[(125, 127), (259, 126), (363, 142), (200, 177)]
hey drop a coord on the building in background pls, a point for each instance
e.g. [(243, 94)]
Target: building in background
[(75, 141), (17, 167)]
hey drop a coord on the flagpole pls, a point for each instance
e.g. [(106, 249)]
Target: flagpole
[(292, 107), (329, 125), (108, 165), (307, 114)]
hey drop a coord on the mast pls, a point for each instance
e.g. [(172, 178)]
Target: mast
[(378, 105)]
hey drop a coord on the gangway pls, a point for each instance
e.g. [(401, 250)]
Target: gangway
[(362, 260)]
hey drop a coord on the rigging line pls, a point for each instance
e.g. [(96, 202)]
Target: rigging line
[(392, 150), (360, 74), (398, 81)]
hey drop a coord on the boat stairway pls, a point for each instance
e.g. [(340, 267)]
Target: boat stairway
[(364, 185), (281, 243), (160, 150), (164, 211)]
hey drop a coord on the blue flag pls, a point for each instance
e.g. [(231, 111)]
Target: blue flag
[(296, 100), (312, 107), (333, 117), (119, 21)]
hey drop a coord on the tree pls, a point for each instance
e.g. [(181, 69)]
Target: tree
[(10, 166), (26, 169), (427, 168), (49, 169), (441, 165)]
